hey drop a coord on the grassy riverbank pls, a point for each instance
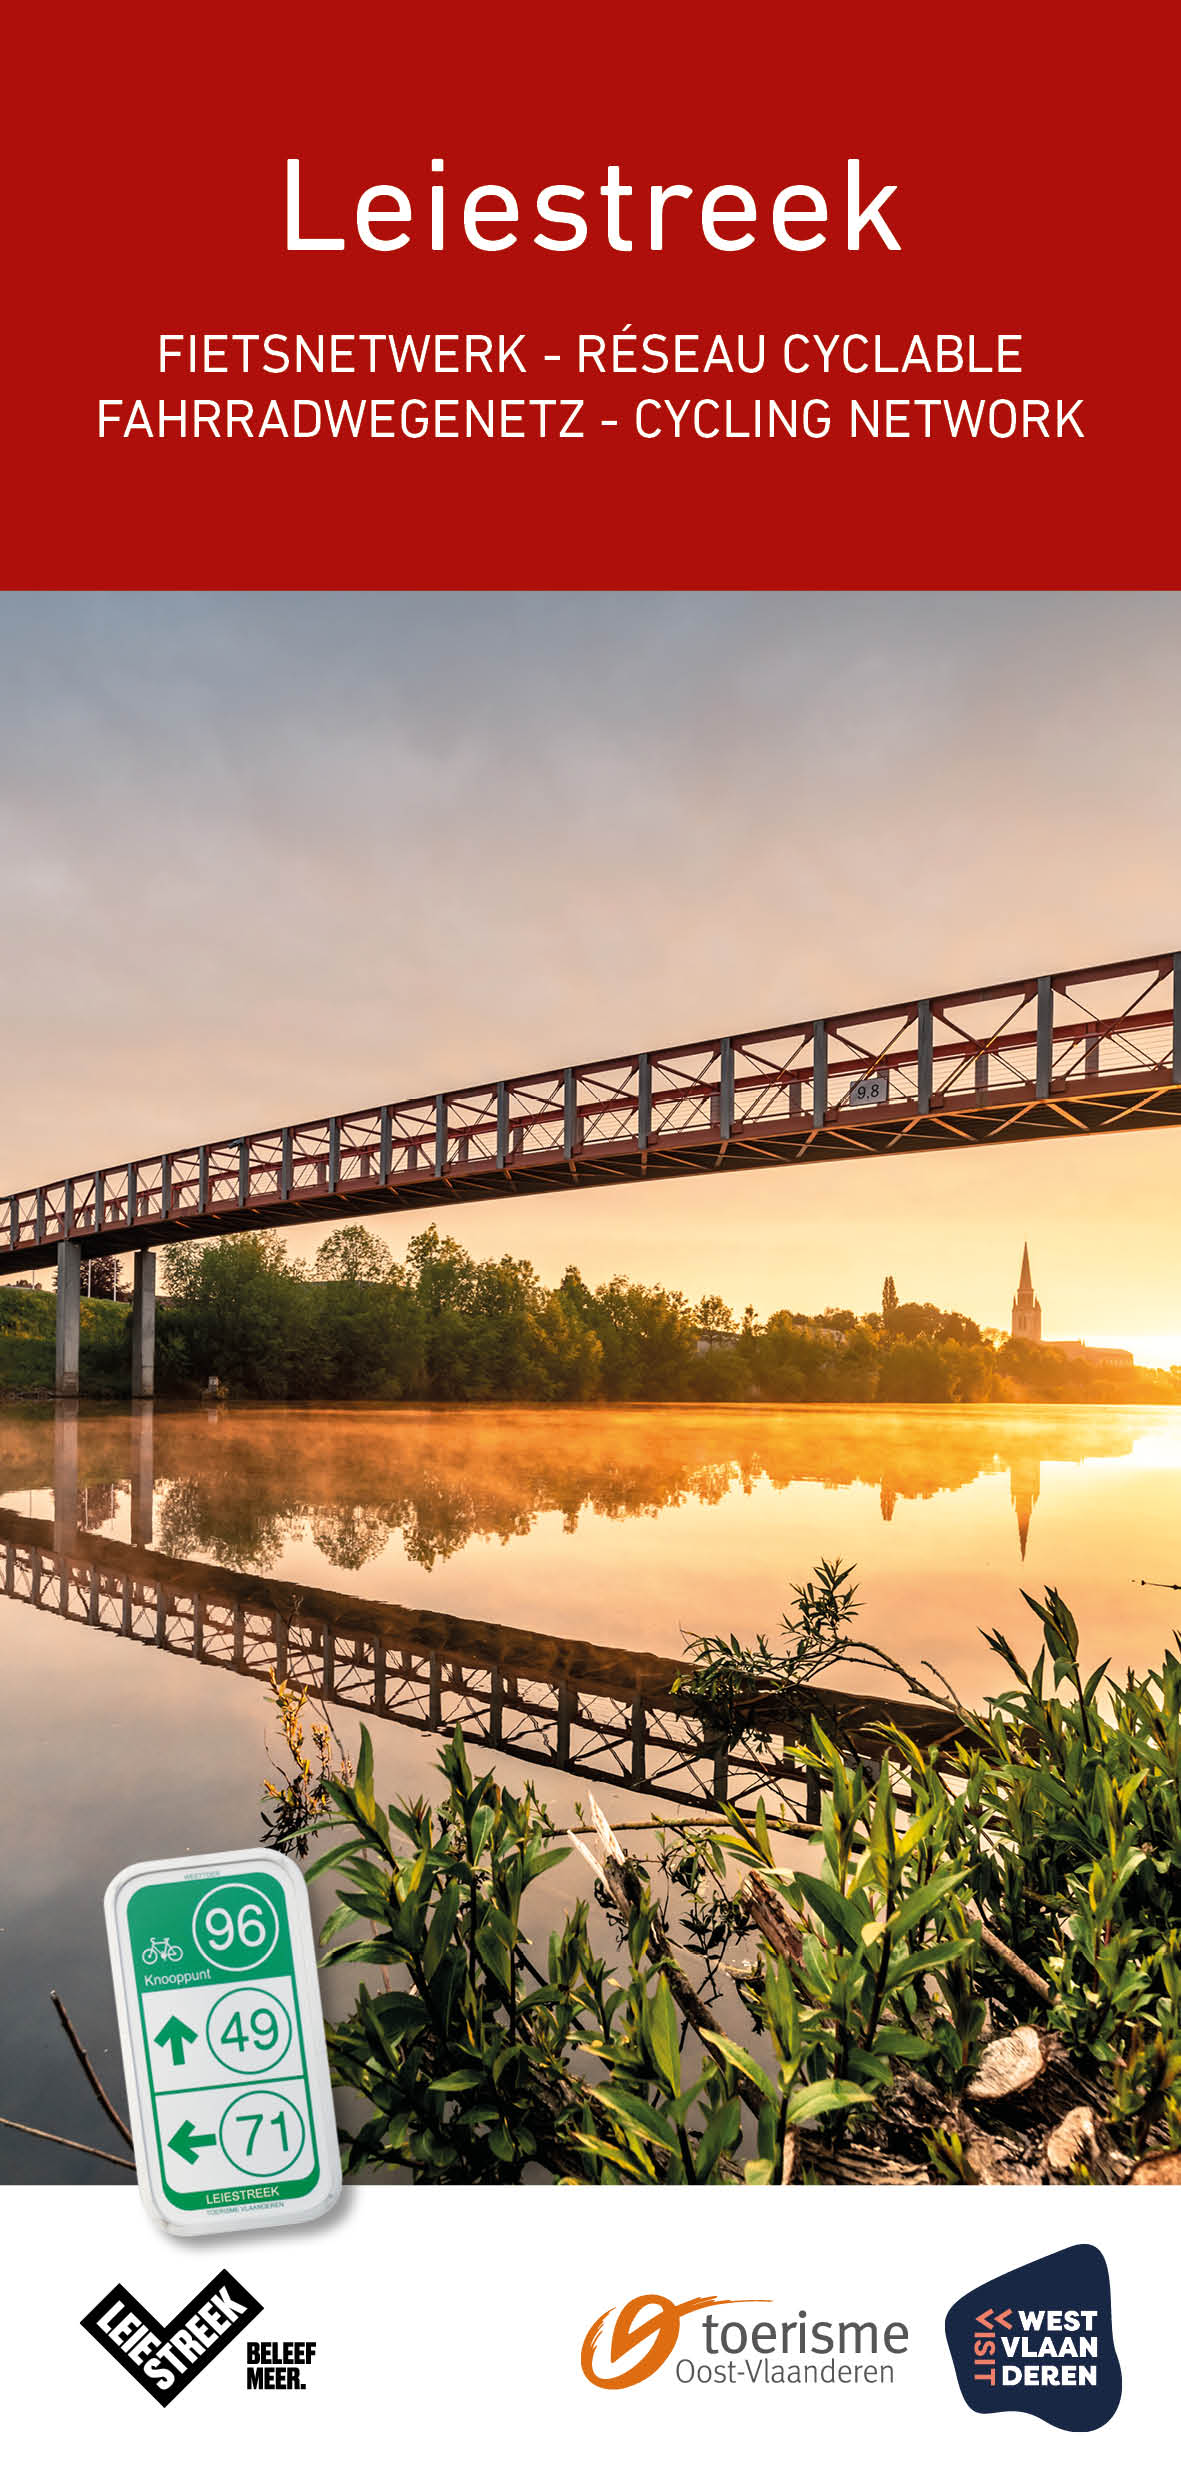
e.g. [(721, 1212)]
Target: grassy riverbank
[(974, 1978), (27, 1320)]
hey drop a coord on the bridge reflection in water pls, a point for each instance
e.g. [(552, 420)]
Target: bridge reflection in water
[(599, 1713)]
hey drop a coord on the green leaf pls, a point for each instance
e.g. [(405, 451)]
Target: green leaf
[(629, 2106), (365, 1950), (361, 1906), (838, 1914), (782, 2011), (720, 2136), (762, 1837), (461, 2079), (1135, 1860), (917, 1828), (442, 1929), (893, 2042), (927, 1959), (811, 2100), (660, 2020), (399, 2012), (923, 1899), (631, 2167), (492, 1949), (336, 1920), (741, 2061), (549, 1993), (332, 1859), (363, 1778), (455, 1764), (498, 1924)]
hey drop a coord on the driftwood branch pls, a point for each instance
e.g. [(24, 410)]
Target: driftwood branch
[(91, 2077), (771, 1918)]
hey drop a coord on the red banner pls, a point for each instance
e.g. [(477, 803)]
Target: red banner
[(674, 298)]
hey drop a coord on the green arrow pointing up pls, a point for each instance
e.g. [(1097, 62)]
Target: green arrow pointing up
[(174, 2036), (186, 2141)]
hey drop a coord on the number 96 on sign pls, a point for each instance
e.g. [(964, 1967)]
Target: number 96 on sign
[(237, 1926)]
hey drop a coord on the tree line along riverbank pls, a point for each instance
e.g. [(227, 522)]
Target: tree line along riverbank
[(440, 1326)]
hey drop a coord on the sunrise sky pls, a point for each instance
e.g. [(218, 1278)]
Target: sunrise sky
[(268, 856)]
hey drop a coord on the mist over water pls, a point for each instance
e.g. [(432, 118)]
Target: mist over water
[(630, 1526)]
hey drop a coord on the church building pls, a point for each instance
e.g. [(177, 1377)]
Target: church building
[(1027, 1328)]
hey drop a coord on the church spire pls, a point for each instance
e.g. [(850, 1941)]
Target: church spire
[(1025, 1475), (1027, 1308)]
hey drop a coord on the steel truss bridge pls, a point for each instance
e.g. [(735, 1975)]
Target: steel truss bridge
[(601, 1714), (1054, 1055)]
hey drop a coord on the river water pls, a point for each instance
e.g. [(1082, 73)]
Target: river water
[(573, 1549)]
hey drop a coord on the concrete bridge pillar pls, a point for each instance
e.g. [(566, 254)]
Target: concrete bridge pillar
[(143, 1326), (69, 1317)]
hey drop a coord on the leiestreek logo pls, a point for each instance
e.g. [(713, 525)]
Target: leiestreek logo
[(627, 2345), (165, 2357), (1039, 2339)]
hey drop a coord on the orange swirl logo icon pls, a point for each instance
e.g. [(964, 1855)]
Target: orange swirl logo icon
[(651, 2319)]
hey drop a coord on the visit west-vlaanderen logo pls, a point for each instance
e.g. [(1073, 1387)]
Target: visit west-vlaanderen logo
[(1040, 2340)]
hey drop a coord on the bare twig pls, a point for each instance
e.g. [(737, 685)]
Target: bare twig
[(871, 1657), (43, 2133), (89, 2073), (1004, 1954)]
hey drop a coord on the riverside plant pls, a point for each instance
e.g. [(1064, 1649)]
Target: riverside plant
[(974, 1975), (299, 1791)]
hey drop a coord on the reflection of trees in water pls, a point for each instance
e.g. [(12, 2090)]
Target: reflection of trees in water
[(252, 1482), (98, 1504), (194, 1518), (238, 1487), (348, 1537)]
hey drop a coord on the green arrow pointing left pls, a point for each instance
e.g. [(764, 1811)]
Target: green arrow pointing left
[(186, 2141), (174, 2036)]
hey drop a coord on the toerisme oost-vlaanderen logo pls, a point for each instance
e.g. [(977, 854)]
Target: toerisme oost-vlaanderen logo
[(1040, 2340), (627, 2345)]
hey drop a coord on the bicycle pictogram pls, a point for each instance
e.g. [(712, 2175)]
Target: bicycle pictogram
[(162, 1950)]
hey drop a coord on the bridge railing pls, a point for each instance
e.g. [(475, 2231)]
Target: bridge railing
[(871, 1077)]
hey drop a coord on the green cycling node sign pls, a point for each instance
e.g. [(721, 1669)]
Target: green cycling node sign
[(223, 2040)]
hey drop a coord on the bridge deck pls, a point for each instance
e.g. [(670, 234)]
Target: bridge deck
[(1054, 1055)]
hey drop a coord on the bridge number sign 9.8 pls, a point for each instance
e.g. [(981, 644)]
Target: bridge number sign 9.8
[(223, 2041)]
